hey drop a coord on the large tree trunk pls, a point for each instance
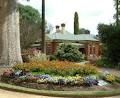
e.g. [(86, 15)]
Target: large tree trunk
[(10, 52)]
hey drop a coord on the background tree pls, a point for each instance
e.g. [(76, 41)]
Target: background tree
[(84, 31), (49, 28), (110, 37), (30, 25), (76, 23), (43, 45), (117, 8)]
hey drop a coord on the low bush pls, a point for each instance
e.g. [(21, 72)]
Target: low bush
[(68, 52), (110, 78), (7, 75), (33, 54), (52, 57), (61, 68), (117, 79), (103, 62)]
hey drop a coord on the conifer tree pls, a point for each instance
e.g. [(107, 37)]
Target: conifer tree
[(76, 23)]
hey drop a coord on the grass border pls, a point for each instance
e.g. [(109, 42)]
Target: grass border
[(72, 94)]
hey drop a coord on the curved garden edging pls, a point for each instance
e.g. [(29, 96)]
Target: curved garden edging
[(71, 94)]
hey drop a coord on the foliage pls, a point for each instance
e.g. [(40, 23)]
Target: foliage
[(68, 52), (49, 28), (61, 68), (118, 79), (52, 57), (118, 66), (117, 14), (103, 62), (110, 78), (38, 56), (33, 54), (110, 37), (76, 23), (84, 31), (78, 80), (91, 80), (7, 75), (30, 25)]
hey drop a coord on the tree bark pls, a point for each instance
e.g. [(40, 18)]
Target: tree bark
[(10, 52)]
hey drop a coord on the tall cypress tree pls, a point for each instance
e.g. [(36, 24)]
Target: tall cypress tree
[(76, 23), (117, 8)]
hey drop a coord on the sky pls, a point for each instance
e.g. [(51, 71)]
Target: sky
[(91, 12)]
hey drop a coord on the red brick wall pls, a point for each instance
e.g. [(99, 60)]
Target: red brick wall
[(92, 49), (51, 47)]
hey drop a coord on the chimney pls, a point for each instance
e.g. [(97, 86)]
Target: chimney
[(57, 29), (62, 28)]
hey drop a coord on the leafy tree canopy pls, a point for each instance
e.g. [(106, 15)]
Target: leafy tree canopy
[(84, 31), (30, 26), (30, 14), (110, 37)]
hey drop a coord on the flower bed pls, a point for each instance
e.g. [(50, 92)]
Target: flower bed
[(61, 68), (49, 82), (59, 75)]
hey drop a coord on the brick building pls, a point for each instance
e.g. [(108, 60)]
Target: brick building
[(87, 43)]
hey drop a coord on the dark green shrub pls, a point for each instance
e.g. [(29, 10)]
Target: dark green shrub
[(103, 62), (118, 79), (68, 52), (25, 58), (110, 38), (52, 57), (118, 66)]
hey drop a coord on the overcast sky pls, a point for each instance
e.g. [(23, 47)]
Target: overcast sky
[(91, 12)]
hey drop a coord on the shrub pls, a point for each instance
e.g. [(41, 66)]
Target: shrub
[(62, 68), (33, 54), (118, 79), (79, 80), (110, 78), (52, 57), (109, 36), (103, 62), (68, 52), (25, 58), (7, 75), (39, 56), (118, 66)]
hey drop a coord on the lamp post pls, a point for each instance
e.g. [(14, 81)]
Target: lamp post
[(43, 44)]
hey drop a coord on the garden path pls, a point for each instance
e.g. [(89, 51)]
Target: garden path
[(10, 94)]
